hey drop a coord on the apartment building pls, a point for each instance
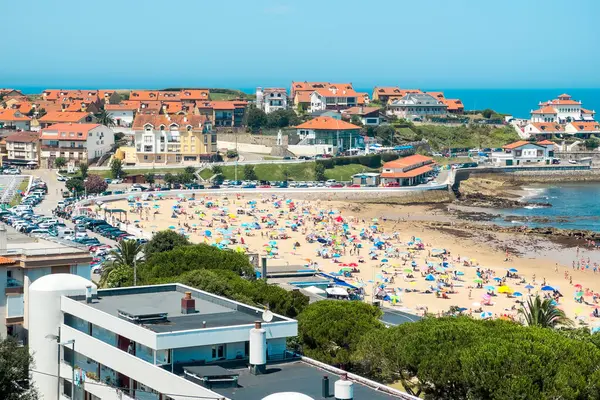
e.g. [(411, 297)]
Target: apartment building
[(271, 99), (170, 139), (562, 110), (23, 148), (122, 113), (76, 143), (417, 105), (224, 113), (23, 260), (65, 117), (170, 342), (14, 119)]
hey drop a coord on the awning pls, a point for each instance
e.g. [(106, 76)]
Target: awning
[(336, 291)]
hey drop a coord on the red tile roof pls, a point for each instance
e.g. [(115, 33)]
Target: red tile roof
[(57, 116), (13, 115), (6, 260), (407, 161), (437, 95), (586, 111), (360, 110), (545, 143), (23, 137), (124, 105), (74, 131), (518, 144), (586, 126), (327, 124), (182, 121), (545, 110), (454, 104), (408, 174), (548, 126)]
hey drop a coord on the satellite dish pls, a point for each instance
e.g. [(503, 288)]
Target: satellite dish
[(267, 316)]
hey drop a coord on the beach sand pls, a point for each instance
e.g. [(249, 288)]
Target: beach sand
[(530, 256)]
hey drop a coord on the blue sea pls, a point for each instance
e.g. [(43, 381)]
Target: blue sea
[(516, 102), (574, 206)]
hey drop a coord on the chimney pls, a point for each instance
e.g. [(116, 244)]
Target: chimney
[(258, 349), (344, 389), (88, 294), (2, 239), (188, 304), (325, 387)]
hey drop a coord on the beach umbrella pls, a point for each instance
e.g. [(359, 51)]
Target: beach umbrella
[(172, 227), (517, 294), (408, 271), (459, 273), (486, 315), (529, 287), (430, 278), (156, 206), (504, 289), (547, 288), (497, 279), (490, 287), (478, 280), (513, 270), (461, 309), (208, 233), (578, 285)]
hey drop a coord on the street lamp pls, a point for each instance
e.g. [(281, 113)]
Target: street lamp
[(58, 344)]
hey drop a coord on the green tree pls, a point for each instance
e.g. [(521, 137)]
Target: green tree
[(190, 170), (116, 168), (164, 241), (320, 172), (185, 178), (95, 184), (104, 118), (114, 276), (75, 185), (114, 272), (386, 134), (330, 330), (256, 118), (543, 313), (249, 173), (83, 170), (282, 119), (217, 169), (592, 143), (60, 162), (150, 178), (487, 113), (170, 179), (355, 120), (285, 172), (15, 364), (232, 153)]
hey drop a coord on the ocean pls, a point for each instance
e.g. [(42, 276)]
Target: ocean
[(574, 206), (516, 102)]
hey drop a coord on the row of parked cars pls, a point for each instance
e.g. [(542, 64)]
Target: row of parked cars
[(100, 226)]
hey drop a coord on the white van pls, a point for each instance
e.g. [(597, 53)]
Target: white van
[(65, 232)]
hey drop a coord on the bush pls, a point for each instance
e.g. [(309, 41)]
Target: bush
[(164, 241), (327, 163), (232, 153), (250, 173), (387, 157), (95, 184)]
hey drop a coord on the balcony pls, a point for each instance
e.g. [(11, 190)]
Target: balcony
[(15, 309), (13, 286), (63, 149)]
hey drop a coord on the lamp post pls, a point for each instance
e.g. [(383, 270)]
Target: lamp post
[(58, 344)]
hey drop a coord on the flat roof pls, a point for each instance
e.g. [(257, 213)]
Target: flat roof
[(19, 243), (212, 311), (295, 376)]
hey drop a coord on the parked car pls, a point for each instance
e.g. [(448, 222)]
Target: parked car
[(392, 184)]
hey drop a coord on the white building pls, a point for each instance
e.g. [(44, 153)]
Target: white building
[(583, 129), (543, 129), (335, 97), (14, 119), (122, 113), (524, 152), (164, 342), (271, 99), (23, 260), (75, 142), (417, 105), (562, 110), (23, 148)]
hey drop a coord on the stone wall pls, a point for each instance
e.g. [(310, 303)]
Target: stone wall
[(263, 140)]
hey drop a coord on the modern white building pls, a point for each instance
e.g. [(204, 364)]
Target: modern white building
[(122, 113), (23, 260), (523, 153), (271, 99), (167, 342), (14, 119), (76, 143), (417, 105), (23, 148), (562, 110), (335, 97)]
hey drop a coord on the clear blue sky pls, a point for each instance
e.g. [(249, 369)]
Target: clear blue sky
[(247, 43)]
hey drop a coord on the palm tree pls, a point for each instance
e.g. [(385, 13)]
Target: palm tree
[(105, 118), (543, 313), (126, 254)]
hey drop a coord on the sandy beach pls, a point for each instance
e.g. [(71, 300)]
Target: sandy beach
[(421, 256)]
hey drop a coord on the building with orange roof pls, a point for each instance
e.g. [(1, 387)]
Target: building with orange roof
[(455, 106), (122, 113), (334, 97), (524, 152), (223, 113), (543, 130), (76, 142), (8, 93), (417, 105), (583, 129), (328, 135), (407, 171), (22, 148), (384, 94), (563, 109), (174, 138), (14, 119), (369, 116), (108, 96), (58, 117)]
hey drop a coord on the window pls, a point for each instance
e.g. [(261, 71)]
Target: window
[(205, 139), (218, 351), (145, 158)]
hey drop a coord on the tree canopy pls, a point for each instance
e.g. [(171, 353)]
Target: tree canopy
[(543, 313), (330, 330), (256, 118), (15, 361), (164, 241), (95, 184), (75, 185), (116, 168), (462, 358)]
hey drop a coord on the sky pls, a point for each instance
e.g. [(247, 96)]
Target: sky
[(249, 43)]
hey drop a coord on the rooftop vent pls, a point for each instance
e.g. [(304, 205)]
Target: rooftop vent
[(143, 318)]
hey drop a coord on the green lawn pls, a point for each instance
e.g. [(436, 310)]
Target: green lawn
[(452, 160), (297, 172), (157, 171)]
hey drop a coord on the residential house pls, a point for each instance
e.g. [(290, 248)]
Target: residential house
[(562, 110), (23, 260), (326, 113), (583, 129), (407, 171), (14, 119), (368, 116), (417, 105), (223, 113), (80, 106), (76, 142), (109, 97), (455, 106), (271, 99), (524, 152), (334, 97), (8, 93), (122, 113), (169, 139), (543, 130), (370, 179), (59, 117), (385, 94), (23, 148), (326, 135)]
